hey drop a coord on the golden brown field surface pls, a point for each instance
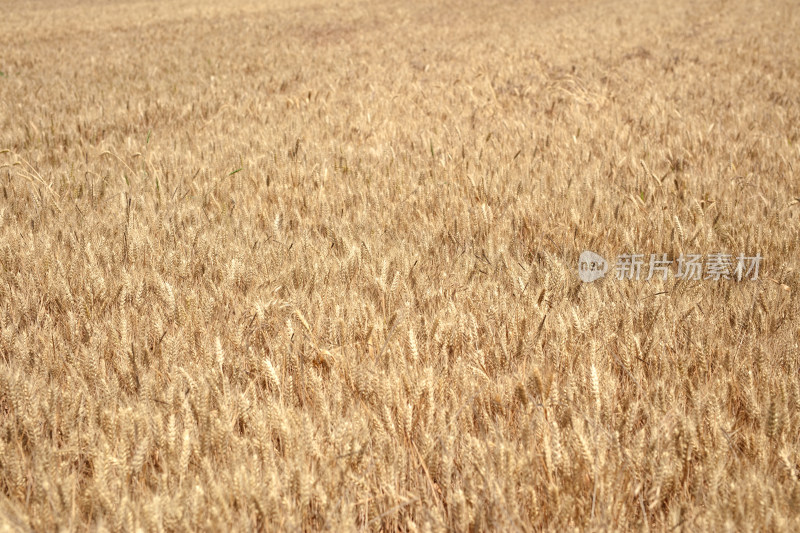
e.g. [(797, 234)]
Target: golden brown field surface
[(311, 266)]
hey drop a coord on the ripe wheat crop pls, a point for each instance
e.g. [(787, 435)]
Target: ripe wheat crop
[(314, 266)]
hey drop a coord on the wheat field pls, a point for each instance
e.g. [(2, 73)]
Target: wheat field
[(298, 266)]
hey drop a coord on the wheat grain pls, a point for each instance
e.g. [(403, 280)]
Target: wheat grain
[(331, 284)]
